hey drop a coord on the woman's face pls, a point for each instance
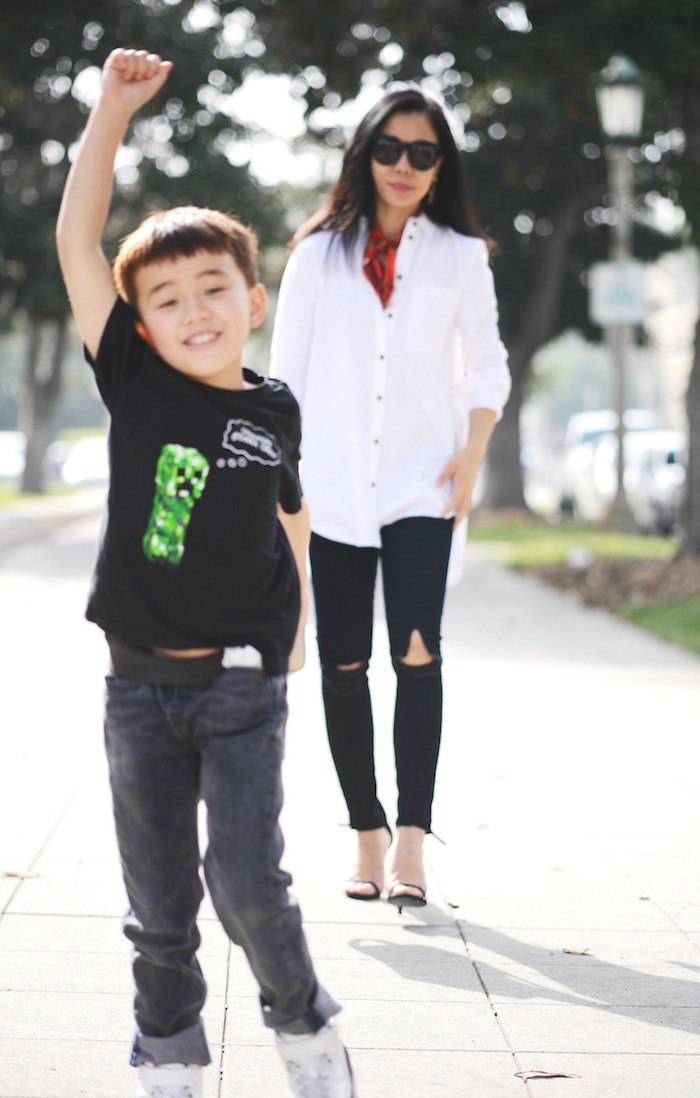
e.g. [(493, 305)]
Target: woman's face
[(400, 187)]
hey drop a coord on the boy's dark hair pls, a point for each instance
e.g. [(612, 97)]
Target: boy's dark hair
[(183, 231)]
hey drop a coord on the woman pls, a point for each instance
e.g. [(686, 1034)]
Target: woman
[(386, 331)]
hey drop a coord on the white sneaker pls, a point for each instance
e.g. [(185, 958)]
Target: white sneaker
[(317, 1064), (170, 1081)]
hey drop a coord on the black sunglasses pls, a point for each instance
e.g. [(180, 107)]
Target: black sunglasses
[(422, 155)]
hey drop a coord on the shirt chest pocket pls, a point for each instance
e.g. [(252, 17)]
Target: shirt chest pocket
[(430, 319)]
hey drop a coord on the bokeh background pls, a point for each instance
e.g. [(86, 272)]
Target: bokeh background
[(253, 120)]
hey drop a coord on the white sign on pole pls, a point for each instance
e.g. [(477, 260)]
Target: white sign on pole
[(617, 292)]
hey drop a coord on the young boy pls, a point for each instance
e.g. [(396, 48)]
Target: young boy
[(197, 587)]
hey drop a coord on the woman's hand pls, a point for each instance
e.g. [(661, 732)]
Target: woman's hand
[(462, 470), (463, 467)]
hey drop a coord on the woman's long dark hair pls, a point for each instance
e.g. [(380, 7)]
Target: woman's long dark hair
[(353, 196)]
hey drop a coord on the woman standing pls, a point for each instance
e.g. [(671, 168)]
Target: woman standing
[(387, 333)]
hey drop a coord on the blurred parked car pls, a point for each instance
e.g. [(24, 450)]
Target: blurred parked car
[(12, 448), (580, 494), (654, 478), (655, 475)]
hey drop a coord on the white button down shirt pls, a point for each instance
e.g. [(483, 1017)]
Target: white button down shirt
[(385, 393)]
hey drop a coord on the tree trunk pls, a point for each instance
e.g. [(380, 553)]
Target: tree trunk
[(691, 540), (43, 382), (504, 476), (538, 317), (691, 516)]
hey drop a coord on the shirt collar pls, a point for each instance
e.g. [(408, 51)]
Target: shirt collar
[(424, 224), (421, 222)]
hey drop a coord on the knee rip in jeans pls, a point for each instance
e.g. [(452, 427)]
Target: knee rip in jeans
[(345, 681), (417, 657), (430, 670)]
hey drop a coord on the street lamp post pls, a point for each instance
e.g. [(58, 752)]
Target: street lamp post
[(620, 100)]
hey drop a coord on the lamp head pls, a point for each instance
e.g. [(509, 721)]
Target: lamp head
[(619, 91)]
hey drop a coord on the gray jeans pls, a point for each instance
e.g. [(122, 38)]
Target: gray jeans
[(167, 747)]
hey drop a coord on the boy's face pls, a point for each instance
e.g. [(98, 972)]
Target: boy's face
[(197, 312)]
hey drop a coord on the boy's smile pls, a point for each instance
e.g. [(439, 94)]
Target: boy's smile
[(197, 312)]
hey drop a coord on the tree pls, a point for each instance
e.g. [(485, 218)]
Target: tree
[(177, 156), (554, 61), (518, 78)]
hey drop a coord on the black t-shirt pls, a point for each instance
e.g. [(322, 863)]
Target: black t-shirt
[(192, 553)]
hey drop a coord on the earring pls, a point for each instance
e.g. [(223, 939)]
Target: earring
[(430, 197)]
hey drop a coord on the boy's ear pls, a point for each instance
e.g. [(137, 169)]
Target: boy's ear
[(258, 304), (143, 331)]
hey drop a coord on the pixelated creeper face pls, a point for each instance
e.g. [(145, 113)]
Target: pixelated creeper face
[(181, 475)]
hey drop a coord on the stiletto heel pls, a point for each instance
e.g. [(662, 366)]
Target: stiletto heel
[(402, 894), (355, 893), (407, 869)]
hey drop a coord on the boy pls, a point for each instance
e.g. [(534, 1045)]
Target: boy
[(197, 587)]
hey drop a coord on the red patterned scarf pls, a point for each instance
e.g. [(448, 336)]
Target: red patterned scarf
[(379, 263)]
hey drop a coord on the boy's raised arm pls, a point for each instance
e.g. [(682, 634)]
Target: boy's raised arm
[(129, 79)]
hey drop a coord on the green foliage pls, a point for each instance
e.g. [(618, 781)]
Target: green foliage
[(523, 96), (517, 77), (178, 152), (526, 101)]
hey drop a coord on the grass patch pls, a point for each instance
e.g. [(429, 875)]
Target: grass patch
[(9, 493), (528, 544), (678, 622), (73, 434)]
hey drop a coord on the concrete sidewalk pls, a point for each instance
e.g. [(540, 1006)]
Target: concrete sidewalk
[(563, 929)]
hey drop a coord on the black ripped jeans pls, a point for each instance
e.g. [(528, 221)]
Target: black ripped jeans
[(414, 555)]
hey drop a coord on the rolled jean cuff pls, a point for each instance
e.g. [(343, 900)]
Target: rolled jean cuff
[(187, 1046), (319, 1012)]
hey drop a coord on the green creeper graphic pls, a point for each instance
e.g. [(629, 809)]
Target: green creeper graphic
[(180, 478)]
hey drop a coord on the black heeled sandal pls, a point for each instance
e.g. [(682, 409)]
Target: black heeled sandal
[(355, 894), (402, 894)]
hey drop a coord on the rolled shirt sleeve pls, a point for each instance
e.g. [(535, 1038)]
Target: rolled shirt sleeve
[(486, 375)]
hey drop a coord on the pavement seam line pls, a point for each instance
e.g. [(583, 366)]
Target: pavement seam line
[(225, 1023), (86, 777), (518, 1066), (662, 910)]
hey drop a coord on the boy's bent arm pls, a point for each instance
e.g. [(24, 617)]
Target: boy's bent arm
[(298, 530), (129, 79)]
